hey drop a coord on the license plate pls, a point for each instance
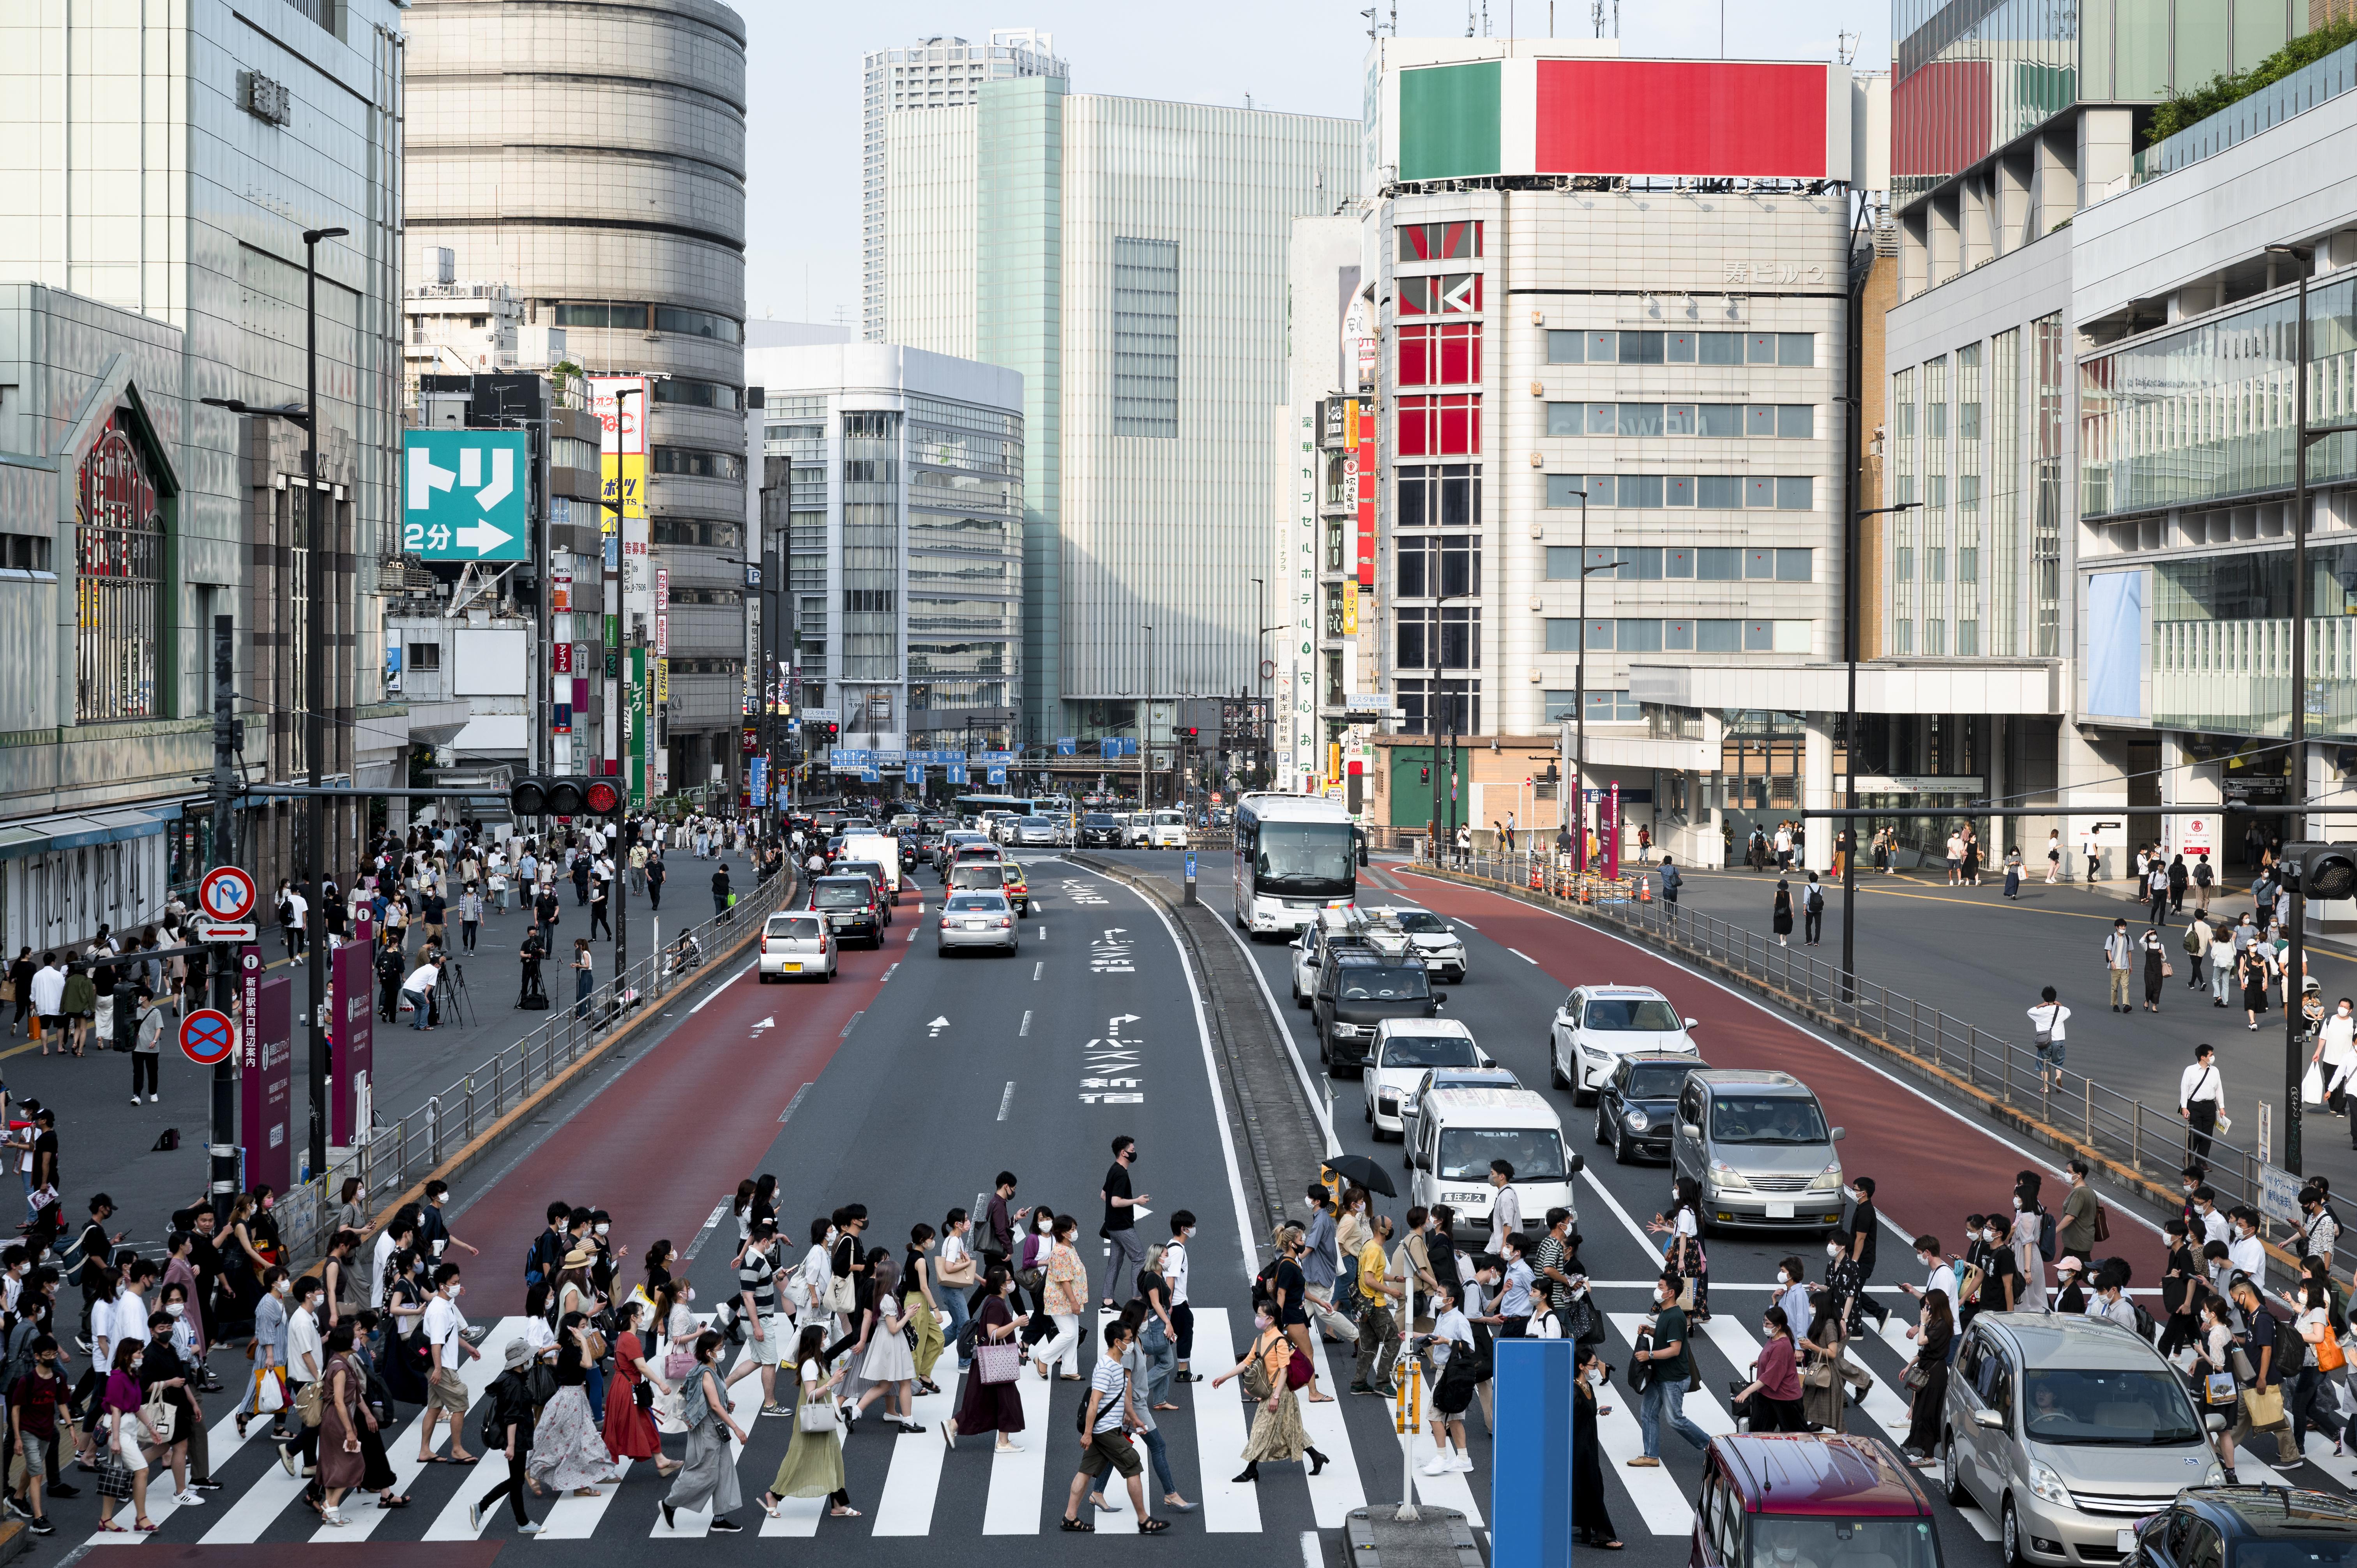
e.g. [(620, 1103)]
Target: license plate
[(1779, 1211), (978, 925), (790, 968)]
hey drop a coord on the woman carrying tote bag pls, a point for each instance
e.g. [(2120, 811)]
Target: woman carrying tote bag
[(813, 1463), (992, 1402)]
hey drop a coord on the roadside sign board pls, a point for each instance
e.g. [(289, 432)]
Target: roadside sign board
[(226, 893), (208, 1038), (227, 931), (465, 495), (2278, 1195)]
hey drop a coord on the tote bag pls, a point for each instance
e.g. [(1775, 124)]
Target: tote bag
[(999, 1361)]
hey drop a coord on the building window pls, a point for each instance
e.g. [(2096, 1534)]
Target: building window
[(1442, 294), (607, 314), (1446, 495), (869, 601), (693, 462), (1796, 566), (1448, 426), (1448, 638), (1435, 566), (423, 655), (1790, 348), (1603, 708), (1439, 242), (696, 324), (118, 582), (700, 394), (1146, 337), (1446, 355)]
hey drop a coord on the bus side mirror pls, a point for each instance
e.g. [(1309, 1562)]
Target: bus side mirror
[(1362, 854)]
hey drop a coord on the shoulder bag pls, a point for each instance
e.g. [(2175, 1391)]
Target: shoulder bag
[(997, 1361), (818, 1413), (307, 1400)]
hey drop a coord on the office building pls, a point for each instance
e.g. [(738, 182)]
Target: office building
[(1611, 340), (166, 163), (939, 72), (2016, 162), (894, 494), (1127, 258), (651, 305)]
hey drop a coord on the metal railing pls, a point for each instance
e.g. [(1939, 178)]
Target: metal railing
[(401, 1151), (2153, 1143)]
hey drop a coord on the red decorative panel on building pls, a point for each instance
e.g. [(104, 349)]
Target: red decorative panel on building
[(1706, 118)]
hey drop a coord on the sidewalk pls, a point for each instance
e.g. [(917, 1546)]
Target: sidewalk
[(107, 1144), (1976, 956)]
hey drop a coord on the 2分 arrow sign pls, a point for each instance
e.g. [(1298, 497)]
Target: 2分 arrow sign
[(482, 538)]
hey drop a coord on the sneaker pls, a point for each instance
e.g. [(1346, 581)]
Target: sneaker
[(475, 1518), (1642, 1462), (1437, 1464), (949, 1433), (1462, 1464), (42, 1527), (64, 1489), (135, 1099), (17, 1510), (1361, 1388), (724, 1525), (529, 1527), (190, 1498)]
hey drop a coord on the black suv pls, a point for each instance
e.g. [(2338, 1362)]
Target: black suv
[(850, 908), (1100, 828), (1634, 1106), (2246, 1527), (1358, 989)]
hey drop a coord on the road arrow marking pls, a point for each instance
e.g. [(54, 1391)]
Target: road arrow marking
[(769, 1023), (481, 537), (936, 1026)]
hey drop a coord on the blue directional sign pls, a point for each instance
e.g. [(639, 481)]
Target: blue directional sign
[(1108, 749), (870, 775), (916, 773), (997, 773), (757, 777), (956, 773), (1066, 746), (466, 495)]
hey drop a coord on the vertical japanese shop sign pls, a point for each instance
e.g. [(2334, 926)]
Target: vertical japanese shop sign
[(266, 1068), (620, 404), (1363, 417), (641, 690)]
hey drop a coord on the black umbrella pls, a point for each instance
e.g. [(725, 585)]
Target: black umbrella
[(1363, 1170)]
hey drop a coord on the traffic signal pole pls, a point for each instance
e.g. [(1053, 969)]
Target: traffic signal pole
[(221, 1148)]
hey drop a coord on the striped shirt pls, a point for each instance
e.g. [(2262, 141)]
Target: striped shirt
[(757, 1273), (1110, 1380)]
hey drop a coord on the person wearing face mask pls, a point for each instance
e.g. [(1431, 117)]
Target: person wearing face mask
[(1277, 1435), (1588, 1515), (1772, 1398), (1792, 1290), (1120, 1227), (1672, 1368), (306, 1361), (33, 1423), (1934, 1332), (445, 1333), (2111, 1300), (2243, 1248), (1174, 1268), (122, 1459), (2181, 1286), (2001, 1282), (2070, 1294), (2319, 1228), (1032, 1269), (269, 1349)]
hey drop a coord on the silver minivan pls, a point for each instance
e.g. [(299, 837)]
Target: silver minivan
[(2067, 1429), (1757, 1146)]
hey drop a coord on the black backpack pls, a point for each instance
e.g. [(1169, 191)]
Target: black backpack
[(1264, 1285)]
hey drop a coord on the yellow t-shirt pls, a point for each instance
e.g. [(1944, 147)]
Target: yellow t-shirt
[(1371, 1267)]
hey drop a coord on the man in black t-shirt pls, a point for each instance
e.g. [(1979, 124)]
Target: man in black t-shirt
[(1863, 1222), (1120, 1225)]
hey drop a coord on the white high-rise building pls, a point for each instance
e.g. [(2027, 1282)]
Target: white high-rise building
[(933, 73)]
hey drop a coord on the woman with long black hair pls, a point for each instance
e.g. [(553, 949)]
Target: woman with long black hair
[(1927, 1375), (1588, 1515)]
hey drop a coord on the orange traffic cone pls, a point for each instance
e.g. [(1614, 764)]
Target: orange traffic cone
[(1644, 890)]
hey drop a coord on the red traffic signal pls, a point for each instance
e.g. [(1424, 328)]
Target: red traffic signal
[(603, 798), (565, 795)]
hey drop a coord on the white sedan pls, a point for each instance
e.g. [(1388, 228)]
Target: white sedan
[(1404, 1050), (1598, 1024)]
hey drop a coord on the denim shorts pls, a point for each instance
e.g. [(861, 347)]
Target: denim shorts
[(2049, 1055)]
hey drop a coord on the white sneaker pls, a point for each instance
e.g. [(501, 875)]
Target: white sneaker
[(1437, 1464), (1463, 1465), (134, 1099)]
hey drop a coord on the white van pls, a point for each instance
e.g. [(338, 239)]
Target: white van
[(1459, 1130), (881, 848), (1166, 830)]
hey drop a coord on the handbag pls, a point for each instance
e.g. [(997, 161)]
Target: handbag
[(840, 1295), (1915, 1377), (307, 1400), (2219, 1388), (2329, 1356), (997, 1361), (2264, 1407), (161, 1419), (817, 1413), (1819, 1374)]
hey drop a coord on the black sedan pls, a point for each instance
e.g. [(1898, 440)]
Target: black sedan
[(1100, 829), (2244, 1527), (1634, 1106)]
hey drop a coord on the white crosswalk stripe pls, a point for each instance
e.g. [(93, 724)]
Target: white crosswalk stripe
[(898, 1479)]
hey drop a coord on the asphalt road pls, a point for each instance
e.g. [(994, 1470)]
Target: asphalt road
[(911, 1079)]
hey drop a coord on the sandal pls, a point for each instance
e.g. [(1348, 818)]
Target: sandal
[(144, 1527), (770, 1501), (843, 1513), (1079, 1527), (1151, 1526), (108, 1525)]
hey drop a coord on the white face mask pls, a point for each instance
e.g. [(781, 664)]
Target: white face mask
[(1833, 1250), (456, 1290), (1594, 1377), (603, 1229), (1661, 1297), (1784, 1276), (283, 1288), (176, 1308), (1927, 1263)]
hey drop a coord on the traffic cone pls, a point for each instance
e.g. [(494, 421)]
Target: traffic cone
[(1644, 890)]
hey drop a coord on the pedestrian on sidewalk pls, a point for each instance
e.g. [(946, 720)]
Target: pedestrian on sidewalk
[(2091, 848), (2155, 965), (2196, 943), (2204, 879), (2119, 958), (585, 976), (2199, 1092), (2013, 872), (1812, 911), (655, 878), (471, 915), (721, 896), (2156, 892), (600, 908), (1672, 880), (1782, 918)]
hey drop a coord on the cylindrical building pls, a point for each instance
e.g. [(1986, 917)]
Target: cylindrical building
[(591, 155)]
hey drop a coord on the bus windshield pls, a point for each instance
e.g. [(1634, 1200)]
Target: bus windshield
[(1305, 860)]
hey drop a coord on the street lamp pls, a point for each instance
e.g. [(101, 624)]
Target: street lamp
[(1145, 722), (1849, 743), (613, 582), (1580, 690), (1261, 673)]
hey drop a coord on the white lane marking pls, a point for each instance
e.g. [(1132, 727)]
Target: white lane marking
[(1036, 967), (1312, 1555), (1830, 1044), (1219, 1430), (1025, 1028), (1449, 1490), (1043, 933), (450, 1524), (1659, 1499), (1334, 1491), (912, 935), (222, 1441), (1523, 956), (1466, 924), (905, 1505), (705, 1232), (887, 972), (745, 1405), (853, 1025), (1245, 1241), (708, 1001), (402, 1448), (1005, 1101), (1016, 1479), (795, 1103), (1982, 1525), (569, 1518)]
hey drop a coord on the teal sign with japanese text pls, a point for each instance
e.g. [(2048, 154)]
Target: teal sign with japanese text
[(466, 495)]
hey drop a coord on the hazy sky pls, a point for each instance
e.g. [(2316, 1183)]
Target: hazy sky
[(803, 252)]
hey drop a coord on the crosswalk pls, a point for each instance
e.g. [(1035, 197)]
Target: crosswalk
[(913, 1483)]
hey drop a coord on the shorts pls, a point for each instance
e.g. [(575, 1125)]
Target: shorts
[(447, 1390), (2050, 1055), (1112, 1449), (34, 1453), (771, 1348)]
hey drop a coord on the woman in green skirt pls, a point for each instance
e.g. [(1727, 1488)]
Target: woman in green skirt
[(813, 1464)]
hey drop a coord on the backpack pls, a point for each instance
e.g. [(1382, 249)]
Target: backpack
[(1264, 1285), (2145, 1325), (492, 1434), (2049, 1233)]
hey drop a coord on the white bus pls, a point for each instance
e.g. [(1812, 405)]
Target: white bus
[(1295, 855)]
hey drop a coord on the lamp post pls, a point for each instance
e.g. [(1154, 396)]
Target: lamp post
[(1849, 743), (1146, 722), (1579, 690), (1261, 673)]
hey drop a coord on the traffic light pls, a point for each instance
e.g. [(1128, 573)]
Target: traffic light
[(565, 795), (2320, 870), (1423, 774)]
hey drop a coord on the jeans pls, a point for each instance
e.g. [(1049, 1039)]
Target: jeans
[(420, 1009), (719, 905), (584, 983), (1161, 1362), (2222, 980), (1665, 1397), (1155, 1451), (956, 1326)]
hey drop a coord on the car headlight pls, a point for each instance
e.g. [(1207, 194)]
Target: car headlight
[(1350, 1030), (1827, 1179), (2049, 1485), (1639, 1120), (1725, 1176), (2215, 1476), (1587, 1051)]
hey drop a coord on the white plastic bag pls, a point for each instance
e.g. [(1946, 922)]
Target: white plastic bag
[(2311, 1085)]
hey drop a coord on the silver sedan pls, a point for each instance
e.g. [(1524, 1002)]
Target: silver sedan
[(1037, 830), (976, 919)]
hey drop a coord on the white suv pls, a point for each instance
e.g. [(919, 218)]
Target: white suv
[(1598, 1024)]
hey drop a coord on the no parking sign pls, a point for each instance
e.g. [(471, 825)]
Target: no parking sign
[(208, 1037)]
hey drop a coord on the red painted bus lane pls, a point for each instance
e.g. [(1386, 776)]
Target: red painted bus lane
[(1931, 1165)]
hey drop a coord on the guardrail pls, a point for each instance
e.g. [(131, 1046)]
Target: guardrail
[(399, 1153), (2153, 1145)]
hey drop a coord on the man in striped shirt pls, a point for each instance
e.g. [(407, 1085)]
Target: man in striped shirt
[(757, 1297), (1107, 1420)]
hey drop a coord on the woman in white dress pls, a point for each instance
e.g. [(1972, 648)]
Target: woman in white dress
[(885, 1360)]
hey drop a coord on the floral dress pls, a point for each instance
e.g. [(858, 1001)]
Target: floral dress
[(568, 1451)]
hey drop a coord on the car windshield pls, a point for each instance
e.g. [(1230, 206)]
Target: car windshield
[(1788, 1541), (842, 895), (2108, 1407), (803, 925), (978, 877), (977, 902), (1535, 1152), (1766, 1119), (1655, 1083), (1420, 920), (1098, 820), (1168, 819), (1430, 1050), (1309, 859), (1380, 983), (1630, 1014)]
